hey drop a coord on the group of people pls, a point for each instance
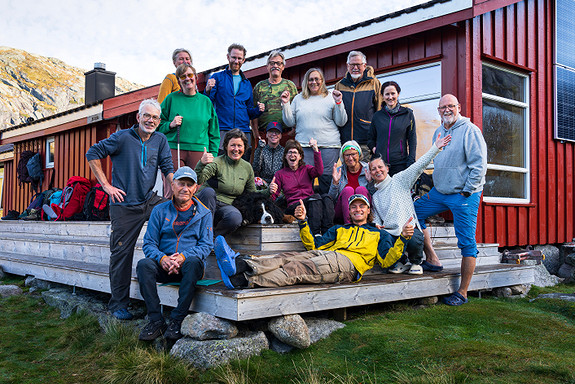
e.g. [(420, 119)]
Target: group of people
[(205, 139)]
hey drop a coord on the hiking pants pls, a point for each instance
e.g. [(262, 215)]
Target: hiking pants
[(309, 267), (127, 222)]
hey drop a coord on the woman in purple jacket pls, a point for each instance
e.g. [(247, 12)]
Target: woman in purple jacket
[(296, 179)]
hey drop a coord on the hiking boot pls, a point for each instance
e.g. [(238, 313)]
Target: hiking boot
[(226, 256), (122, 314), (399, 267), (153, 330), (415, 269), (12, 215), (174, 330)]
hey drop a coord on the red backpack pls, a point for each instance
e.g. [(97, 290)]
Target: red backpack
[(73, 198)]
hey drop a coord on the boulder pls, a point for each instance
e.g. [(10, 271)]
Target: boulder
[(552, 257), (567, 272), (321, 328), (211, 353), (278, 346), (559, 296), (291, 329), (502, 292), (2, 274), (521, 289), (10, 290), (570, 259), (203, 326), (69, 303), (542, 276), (33, 282), (431, 300)]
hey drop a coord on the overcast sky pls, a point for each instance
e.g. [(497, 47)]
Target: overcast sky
[(136, 38)]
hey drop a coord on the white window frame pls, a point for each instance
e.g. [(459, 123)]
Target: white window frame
[(526, 150), (50, 164), (424, 97)]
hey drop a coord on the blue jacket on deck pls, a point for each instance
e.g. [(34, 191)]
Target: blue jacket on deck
[(234, 111), (195, 240)]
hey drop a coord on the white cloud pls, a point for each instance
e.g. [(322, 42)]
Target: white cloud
[(135, 38)]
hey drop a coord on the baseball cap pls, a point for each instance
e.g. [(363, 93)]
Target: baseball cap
[(186, 172), (274, 125), (358, 196)]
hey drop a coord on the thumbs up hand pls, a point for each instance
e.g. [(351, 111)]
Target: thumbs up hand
[(273, 186), (407, 230), (300, 212), (207, 157)]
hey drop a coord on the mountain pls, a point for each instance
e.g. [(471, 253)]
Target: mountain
[(37, 86)]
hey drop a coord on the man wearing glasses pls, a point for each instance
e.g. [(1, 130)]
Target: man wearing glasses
[(361, 98), (458, 178), (137, 154), (269, 91), (231, 93)]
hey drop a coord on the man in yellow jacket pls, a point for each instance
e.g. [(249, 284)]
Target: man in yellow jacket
[(343, 254)]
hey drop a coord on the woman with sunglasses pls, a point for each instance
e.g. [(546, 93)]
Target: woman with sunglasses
[(190, 123)]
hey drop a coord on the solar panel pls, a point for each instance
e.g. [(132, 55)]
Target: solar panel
[(565, 43), (565, 104)]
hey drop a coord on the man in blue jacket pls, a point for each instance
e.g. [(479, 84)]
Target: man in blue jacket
[(231, 93), (176, 244), (137, 154)]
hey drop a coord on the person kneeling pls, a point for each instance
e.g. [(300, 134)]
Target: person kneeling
[(343, 254), (176, 244)]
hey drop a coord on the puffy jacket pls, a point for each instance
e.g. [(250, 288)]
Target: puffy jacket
[(361, 100), (362, 245), (234, 111), (394, 136), (196, 239)]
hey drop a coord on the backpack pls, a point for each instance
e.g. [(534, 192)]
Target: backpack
[(51, 196), (73, 198), (97, 205), (22, 169), (34, 167)]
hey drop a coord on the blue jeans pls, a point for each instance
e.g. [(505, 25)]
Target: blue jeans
[(464, 210), (150, 272)]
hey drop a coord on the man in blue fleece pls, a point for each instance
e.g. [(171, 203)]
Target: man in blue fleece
[(458, 178), (232, 95), (137, 154), (178, 240)]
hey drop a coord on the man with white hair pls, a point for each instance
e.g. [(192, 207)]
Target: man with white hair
[(137, 154), (458, 179), (361, 98)]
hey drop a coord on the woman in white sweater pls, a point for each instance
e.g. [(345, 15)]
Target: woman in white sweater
[(316, 115)]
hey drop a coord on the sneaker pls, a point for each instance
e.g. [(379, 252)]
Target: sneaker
[(12, 215), (122, 314), (174, 330), (226, 256), (399, 267), (153, 330), (226, 278), (415, 269)]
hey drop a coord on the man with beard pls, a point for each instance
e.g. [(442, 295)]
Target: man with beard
[(458, 178), (231, 93), (137, 154), (341, 255), (361, 98)]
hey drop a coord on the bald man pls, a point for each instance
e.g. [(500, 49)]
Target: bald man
[(458, 178)]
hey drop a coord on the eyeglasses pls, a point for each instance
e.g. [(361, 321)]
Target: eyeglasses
[(355, 65), (187, 76), (147, 116), (451, 107), (275, 63), (353, 154), (314, 80)]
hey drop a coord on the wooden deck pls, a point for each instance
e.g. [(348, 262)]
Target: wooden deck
[(76, 254)]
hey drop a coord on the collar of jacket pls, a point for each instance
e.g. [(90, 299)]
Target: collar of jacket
[(228, 72), (383, 183), (367, 75)]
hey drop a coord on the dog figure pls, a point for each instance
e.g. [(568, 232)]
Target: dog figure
[(257, 208)]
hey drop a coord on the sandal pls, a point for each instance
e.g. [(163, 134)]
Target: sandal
[(454, 299)]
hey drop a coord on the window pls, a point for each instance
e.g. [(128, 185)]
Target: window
[(50, 152), (420, 91), (506, 130)]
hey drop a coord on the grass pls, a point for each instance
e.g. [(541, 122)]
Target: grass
[(485, 341)]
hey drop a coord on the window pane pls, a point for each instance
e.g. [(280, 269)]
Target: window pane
[(503, 129), (426, 122), (418, 82), (504, 184), (504, 84), (51, 151)]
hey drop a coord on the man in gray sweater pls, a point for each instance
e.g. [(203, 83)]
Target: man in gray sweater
[(458, 178), (137, 154)]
